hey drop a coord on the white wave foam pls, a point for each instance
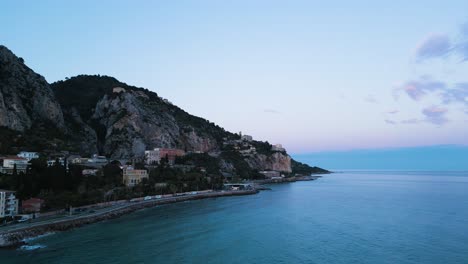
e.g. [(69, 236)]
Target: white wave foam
[(31, 247), (29, 239)]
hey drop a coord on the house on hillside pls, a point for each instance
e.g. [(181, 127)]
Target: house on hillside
[(271, 174), (72, 158), (132, 177), (89, 172), (96, 159), (52, 162), (118, 90), (278, 148), (32, 205), (246, 138), (28, 155), (154, 156), (10, 162)]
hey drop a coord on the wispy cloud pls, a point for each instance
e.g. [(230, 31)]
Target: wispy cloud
[(457, 94), (410, 121), (371, 99), (435, 115), (271, 111), (439, 45), (434, 45), (417, 89), (462, 45), (392, 112)]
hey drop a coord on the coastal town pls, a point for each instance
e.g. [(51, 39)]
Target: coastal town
[(18, 214), (132, 175)]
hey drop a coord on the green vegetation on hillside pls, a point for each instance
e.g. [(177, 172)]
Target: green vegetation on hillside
[(61, 188), (40, 137), (304, 169), (84, 91)]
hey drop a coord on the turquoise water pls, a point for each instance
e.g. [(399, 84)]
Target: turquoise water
[(353, 217)]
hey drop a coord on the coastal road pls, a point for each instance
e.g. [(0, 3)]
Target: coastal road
[(106, 210)]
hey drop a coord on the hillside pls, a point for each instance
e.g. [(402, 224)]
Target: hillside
[(90, 114), (128, 122), (27, 107)]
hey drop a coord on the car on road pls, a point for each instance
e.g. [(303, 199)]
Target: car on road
[(148, 198)]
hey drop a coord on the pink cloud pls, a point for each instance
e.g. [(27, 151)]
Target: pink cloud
[(417, 89), (435, 115)]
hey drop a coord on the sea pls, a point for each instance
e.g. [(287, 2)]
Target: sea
[(348, 217)]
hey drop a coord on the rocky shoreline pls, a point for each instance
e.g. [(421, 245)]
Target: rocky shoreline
[(286, 180), (15, 238)]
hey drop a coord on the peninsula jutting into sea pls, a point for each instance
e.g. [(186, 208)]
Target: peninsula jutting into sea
[(92, 143)]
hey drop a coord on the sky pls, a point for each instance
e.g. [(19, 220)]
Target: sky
[(426, 158), (316, 76)]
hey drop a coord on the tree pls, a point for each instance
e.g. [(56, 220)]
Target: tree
[(173, 188)]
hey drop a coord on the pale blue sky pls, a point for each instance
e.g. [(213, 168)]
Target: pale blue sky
[(313, 75), (428, 158)]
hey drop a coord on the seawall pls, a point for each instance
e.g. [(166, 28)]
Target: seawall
[(16, 237)]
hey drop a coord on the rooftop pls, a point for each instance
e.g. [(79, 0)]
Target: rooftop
[(6, 191), (12, 158)]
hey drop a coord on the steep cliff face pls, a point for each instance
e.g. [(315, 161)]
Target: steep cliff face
[(277, 161), (25, 97), (134, 122)]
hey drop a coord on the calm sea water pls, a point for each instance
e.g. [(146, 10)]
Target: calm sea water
[(353, 217)]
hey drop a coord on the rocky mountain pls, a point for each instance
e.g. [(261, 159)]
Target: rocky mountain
[(26, 99), (91, 114), (122, 121)]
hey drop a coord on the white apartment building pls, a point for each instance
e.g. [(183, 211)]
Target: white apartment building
[(8, 203), (152, 156)]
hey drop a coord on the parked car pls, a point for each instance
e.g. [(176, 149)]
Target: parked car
[(147, 198)]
